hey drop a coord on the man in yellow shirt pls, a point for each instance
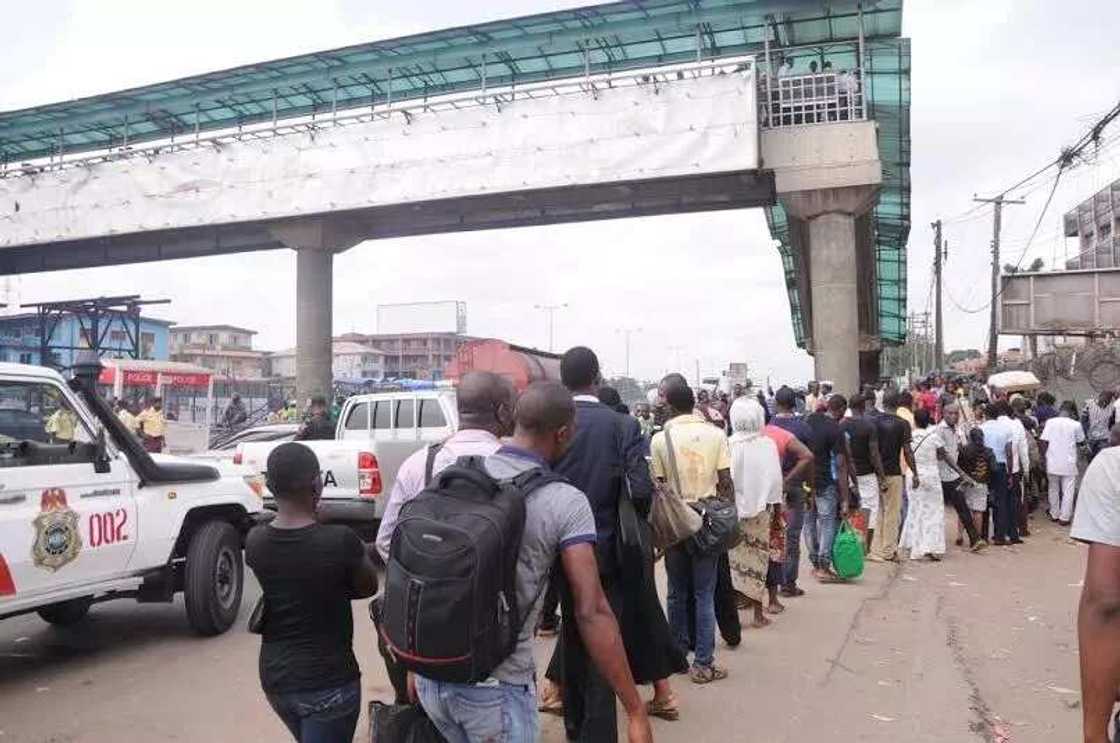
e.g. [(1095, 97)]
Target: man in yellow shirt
[(152, 425), (702, 468), (61, 425), (125, 416)]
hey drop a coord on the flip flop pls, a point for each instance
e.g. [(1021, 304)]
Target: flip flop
[(775, 609)]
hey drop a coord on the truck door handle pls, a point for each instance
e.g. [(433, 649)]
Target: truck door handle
[(11, 500)]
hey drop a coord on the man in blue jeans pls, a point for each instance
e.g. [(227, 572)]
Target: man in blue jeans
[(558, 525), (696, 466), (785, 400), (830, 485)]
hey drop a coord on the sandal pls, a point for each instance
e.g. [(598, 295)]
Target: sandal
[(551, 702), (792, 592), (707, 674), (666, 710), (756, 624), (775, 609)]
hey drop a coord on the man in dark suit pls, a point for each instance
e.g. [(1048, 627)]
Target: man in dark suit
[(606, 461)]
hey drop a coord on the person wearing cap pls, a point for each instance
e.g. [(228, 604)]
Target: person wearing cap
[(309, 573)]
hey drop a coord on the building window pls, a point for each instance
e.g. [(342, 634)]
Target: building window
[(25, 358), (147, 345)]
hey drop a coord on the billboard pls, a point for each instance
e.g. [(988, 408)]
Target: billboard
[(1085, 302), (422, 317)]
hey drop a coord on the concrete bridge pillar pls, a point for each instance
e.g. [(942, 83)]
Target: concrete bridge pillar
[(315, 242), (831, 214)]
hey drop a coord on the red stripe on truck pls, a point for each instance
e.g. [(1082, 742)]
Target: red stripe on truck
[(7, 585)]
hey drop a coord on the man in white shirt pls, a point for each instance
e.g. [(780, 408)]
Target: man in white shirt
[(1059, 443), (1021, 464), (485, 401), (999, 436), (1097, 522)]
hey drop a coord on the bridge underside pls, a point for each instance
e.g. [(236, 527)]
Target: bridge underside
[(698, 193)]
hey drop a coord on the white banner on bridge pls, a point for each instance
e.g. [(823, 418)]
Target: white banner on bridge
[(686, 126)]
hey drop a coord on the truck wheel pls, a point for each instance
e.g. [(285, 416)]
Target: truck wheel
[(214, 578), (66, 613)]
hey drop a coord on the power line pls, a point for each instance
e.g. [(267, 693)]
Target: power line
[(1022, 254), (1063, 159)]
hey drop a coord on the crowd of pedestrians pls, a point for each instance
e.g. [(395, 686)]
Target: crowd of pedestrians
[(564, 483)]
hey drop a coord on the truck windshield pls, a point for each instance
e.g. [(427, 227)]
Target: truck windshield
[(39, 412)]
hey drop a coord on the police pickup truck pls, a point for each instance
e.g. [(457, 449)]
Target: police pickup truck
[(376, 433), (86, 515)]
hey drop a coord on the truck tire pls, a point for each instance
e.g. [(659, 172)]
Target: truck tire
[(67, 613), (213, 578)]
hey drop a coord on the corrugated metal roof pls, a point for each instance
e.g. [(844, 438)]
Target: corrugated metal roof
[(613, 36)]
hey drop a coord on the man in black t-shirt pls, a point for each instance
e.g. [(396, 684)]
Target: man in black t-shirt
[(894, 443), (830, 490), (863, 440), (309, 573)]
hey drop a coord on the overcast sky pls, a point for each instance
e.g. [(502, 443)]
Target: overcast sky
[(999, 87)]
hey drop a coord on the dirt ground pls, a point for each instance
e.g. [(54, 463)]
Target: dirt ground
[(977, 647)]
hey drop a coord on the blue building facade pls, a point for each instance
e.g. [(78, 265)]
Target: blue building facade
[(20, 339)]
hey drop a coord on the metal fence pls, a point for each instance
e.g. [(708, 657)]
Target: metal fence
[(821, 98)]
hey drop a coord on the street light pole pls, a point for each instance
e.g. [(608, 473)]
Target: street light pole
[(677, 350), (550, 310), (626, 333)]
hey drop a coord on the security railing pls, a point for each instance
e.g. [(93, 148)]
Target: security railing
[(819, 98)]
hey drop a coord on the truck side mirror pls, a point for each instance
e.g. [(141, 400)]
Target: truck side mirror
[(101, 461)]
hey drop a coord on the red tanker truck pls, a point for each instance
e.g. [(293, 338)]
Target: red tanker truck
[(520, 365)]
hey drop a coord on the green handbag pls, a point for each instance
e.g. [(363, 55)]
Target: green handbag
[(847, 553)]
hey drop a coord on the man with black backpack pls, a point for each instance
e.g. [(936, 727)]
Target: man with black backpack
[(485, 402), (468, 564)]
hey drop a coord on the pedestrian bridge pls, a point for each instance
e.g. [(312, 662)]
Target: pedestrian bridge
[(614, 110)]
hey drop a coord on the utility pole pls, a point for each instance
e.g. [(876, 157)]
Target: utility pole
[(550, 310), (993, 329), (938, 258), (626, 333)]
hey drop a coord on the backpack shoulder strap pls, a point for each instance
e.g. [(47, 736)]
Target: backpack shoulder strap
[(430, 461), (532, 480)]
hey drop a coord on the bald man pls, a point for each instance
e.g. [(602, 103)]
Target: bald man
[(485, 402)]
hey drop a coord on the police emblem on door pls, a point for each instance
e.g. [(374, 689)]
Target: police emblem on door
[(57, 537)]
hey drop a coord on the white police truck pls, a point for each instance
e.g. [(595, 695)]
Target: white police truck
[(86, 515)]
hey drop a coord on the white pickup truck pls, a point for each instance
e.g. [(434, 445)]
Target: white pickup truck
[(375, 434), (86, 515)]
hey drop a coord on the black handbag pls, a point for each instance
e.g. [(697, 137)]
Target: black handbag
[(720, 529), (401, 723)]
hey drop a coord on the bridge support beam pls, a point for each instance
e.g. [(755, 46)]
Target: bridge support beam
[(315, 242), (830, 214)]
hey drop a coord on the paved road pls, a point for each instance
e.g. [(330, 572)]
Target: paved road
[(976, 648)]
